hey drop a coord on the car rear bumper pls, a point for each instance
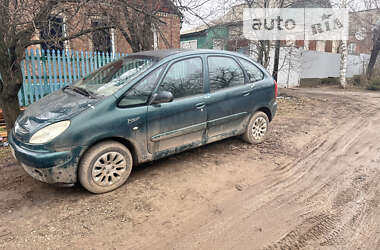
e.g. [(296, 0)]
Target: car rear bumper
[(47, 166), (274, 109)]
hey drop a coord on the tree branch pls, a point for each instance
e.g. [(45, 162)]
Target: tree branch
[(62, 39)]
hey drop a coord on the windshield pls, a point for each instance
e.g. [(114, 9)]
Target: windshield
[(110, 78)]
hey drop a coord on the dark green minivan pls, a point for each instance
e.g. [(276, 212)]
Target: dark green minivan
[(140, 108)]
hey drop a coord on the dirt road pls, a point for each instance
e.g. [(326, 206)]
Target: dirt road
[(314, 184)]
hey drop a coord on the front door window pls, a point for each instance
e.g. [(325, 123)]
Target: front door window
[(140, 93)]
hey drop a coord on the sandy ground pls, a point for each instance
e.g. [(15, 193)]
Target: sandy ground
[(314, 184)]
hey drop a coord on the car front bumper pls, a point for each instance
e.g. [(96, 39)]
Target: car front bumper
[(47, 166), (52, 175)]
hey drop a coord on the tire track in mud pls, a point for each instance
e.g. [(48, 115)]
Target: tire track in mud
[(350, 206), (329, 228), (311, 229), (303, 191), (290, 184)]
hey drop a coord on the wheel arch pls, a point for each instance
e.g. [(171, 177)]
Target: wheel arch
[(267, 111), (127, 143)]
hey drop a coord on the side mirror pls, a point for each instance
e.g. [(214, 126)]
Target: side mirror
[(162, 97)]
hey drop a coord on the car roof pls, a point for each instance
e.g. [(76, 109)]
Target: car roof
[(166, 53), (159, 54)]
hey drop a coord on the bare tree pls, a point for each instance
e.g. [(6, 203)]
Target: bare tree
[(371, 26), (21, 26), (260, 50), (375, 51), (343, 64), (24, 23), (262, 47), (140, 21), (278, 4), (343, 52), (199, 10), (374, 5)]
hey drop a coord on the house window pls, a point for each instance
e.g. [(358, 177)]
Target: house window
[(53, 30), (101, 39), (352, 48), (191, 44)]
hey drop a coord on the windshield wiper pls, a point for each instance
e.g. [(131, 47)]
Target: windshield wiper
[(81, 91)]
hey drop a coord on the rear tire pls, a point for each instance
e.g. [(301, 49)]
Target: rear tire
[(105, 167), (257, 128)]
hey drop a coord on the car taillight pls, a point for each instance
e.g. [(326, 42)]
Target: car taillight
[(275, 89)]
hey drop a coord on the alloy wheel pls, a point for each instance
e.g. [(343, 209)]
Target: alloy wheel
[(109, 168), (259, 128)]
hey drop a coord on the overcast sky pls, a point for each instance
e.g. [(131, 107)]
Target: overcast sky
[(209, 11)]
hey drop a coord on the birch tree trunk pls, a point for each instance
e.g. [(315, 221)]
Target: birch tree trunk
[(344, 54), (343, 64)]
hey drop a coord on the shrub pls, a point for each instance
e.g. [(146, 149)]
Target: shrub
[(374, 83), (357, 80), (330, 81)]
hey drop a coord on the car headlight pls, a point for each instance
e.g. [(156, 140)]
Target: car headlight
[(49, 133)]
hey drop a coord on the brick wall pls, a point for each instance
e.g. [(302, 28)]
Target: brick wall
[(170, 31)]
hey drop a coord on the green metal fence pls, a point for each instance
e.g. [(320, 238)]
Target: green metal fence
[(47, 71)]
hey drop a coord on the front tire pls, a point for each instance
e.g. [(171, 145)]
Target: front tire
[(105, 167), (257, 128)]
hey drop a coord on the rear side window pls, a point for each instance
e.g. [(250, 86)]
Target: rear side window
[(184, 78), (224, 72), (253, 72)]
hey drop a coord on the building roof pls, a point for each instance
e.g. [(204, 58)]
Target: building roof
[(198, 29)]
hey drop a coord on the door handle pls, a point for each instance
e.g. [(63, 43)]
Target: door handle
[(246, 93), (200, 105)]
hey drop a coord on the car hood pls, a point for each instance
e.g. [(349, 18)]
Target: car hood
[(58, 106)]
